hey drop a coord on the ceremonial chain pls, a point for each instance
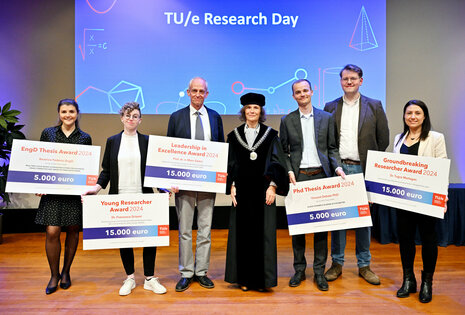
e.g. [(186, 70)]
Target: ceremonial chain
[(253, 154)]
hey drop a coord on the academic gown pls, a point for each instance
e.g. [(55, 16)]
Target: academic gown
[(251, 258)]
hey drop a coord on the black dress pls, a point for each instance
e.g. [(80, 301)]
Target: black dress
[(61, 210), (251, 258)]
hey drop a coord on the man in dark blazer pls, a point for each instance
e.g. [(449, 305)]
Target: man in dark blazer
[(195, 122), (307, 137), (361, 125)]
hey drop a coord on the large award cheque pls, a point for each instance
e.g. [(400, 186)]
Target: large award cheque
[(125, 221), (409, 182), (188, 164), (327, 204), (52, 167)]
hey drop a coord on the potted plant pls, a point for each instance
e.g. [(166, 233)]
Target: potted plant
[(9, 130)]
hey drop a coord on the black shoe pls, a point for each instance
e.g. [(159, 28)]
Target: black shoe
[(65, 285), (264, 290), (426, 288), (49, 289), (297, 278), (183, 284), (409, 284), (205, 282), (321, 283)]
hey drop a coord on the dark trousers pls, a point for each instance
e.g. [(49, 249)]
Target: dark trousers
[(127, 257), (407, 223), (320, 242)]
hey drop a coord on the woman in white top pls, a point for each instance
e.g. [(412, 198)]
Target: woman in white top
[(123, 166), (418, 139)]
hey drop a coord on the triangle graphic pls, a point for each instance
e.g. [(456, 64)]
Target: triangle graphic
[(363, 37)]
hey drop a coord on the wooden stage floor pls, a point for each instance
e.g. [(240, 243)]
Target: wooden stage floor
[(97, 276)]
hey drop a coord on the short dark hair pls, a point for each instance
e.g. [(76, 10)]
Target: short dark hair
[(299, 81), (261, 119), (354, 68), (129, 107), (425, 127), (68, 101)]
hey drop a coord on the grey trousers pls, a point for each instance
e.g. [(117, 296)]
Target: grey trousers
[(185, 206)]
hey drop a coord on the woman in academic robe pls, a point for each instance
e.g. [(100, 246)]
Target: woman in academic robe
[(255, 176), (418, 139)]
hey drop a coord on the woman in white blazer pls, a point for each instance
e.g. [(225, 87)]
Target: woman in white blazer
[(418, 139)]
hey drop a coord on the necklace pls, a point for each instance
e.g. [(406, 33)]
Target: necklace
[(413, 137), (253, 155)]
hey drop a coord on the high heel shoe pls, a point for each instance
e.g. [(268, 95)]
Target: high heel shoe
[(50, 290), (65, 285)]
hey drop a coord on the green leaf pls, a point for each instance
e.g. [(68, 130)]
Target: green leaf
[(18, 135), (16, 127), (12, 112), (12, 119), (9, 141), (2, 122), (6, 107)]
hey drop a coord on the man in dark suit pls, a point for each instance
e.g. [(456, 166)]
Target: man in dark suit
[(361, 125), (195, 122), (307, 137)]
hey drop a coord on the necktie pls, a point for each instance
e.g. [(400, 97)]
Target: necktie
[(198, 127)]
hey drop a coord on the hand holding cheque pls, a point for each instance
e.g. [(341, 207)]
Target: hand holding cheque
[(327, 204), (413, 183)]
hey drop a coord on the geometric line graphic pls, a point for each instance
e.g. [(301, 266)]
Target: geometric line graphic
[(332, 71), (363, 37), (101, 12), (122, 88), (270, 89)]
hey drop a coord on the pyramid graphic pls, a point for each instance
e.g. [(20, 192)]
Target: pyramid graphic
[(363, 37)]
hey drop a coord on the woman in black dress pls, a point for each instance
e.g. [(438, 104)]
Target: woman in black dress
[(58, 211), (255, 176)]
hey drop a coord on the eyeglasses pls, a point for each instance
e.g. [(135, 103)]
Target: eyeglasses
[(135, 117)]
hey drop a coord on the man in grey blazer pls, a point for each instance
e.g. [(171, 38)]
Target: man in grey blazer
[(307, 137), (195, 122), (361, 125)]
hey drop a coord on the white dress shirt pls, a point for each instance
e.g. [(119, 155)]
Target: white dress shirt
[(129, 178), (251, 134), (310, 154), (205, 122), (348, 142)]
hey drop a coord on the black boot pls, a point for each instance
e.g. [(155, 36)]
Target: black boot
[(426, 289), (409, 284)]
